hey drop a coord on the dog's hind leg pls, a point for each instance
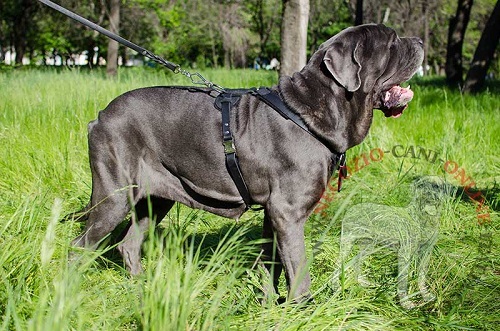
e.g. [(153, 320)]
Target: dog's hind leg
[(109, 202), (106, 213), (146, 210)]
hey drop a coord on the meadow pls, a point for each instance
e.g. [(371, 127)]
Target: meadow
[(200, 270)]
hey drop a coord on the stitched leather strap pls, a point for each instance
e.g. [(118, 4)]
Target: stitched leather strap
[(273, 100), (227, 100)]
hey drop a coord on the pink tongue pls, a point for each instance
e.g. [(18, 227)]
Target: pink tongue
[(397, 96)]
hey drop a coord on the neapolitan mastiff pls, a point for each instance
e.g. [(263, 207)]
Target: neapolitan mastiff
[(165, 143)]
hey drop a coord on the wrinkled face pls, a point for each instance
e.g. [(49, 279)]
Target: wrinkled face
[(372, 59), (406, 55)]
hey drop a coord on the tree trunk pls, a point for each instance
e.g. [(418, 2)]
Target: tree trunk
[(21, 27), (294, 36), (456, 33), (358, 20), (484, 52), (426, 39), (264, 25), (114, 24)]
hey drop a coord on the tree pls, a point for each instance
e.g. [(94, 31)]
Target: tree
[(114, 26), (326, 18), (264, 18), (17, 17), (425, 12), (235, 36), (484, 52), (201, 33), (456, 35), (358, 20), (294, 35)]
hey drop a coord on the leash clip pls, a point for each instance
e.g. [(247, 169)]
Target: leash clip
[(342, 170)]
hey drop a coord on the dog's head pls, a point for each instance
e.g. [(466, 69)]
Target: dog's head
[(357, 70), (373, 59)]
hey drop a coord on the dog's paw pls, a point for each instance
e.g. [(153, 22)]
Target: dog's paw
[(303, 300)]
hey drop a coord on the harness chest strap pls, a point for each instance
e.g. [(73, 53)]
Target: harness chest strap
[(226, 100), (226, 103)]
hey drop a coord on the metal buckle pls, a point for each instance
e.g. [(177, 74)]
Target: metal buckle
[(342, 170), (341, 159), (229, 147)]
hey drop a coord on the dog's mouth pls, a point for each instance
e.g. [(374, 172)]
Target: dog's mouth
[(395, 100)]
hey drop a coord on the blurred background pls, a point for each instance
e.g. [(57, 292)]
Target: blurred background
[(460, 36)]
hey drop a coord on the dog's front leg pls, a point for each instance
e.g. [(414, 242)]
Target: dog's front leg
[(270, 257), (405, 255), (422, 269), (291, 250)]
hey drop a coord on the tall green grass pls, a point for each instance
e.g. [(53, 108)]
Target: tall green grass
[(200, 270)]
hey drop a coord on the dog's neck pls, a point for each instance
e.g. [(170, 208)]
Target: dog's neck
[(340, 118)]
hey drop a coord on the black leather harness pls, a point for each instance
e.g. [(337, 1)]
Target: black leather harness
[(230, 98)]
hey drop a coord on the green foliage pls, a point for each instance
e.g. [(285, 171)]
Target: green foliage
[(200, 269), (327, 19), (214, 33), (481, 11)]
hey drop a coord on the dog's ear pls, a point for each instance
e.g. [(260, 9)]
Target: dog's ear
[(342, 60)]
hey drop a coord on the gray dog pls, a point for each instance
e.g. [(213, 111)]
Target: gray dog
[(164, 144)]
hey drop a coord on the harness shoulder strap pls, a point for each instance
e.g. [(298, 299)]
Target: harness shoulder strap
[(273, 100), (229, 98)]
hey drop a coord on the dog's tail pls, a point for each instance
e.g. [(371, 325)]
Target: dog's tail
[(79, 216)]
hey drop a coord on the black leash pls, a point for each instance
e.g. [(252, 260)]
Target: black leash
[(196, 78)]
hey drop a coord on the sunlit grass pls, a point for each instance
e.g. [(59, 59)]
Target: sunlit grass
[(200, 270)]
